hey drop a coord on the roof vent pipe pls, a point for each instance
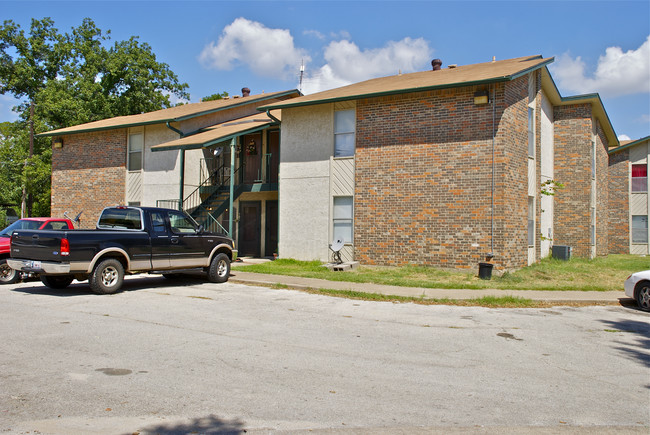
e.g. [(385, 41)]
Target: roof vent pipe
[(245, 92), (436, 64)]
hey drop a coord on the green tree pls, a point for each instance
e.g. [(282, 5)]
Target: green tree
[(72, 78), (213, 97)]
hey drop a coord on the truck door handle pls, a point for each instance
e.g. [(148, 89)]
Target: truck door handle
[(175, 241)]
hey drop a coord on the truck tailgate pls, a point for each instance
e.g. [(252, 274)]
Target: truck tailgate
[(41, 245)]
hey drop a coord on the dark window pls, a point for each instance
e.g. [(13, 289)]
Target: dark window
[(640, 178)]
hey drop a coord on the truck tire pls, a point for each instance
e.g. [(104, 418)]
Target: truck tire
[(56, 282), (7, 274), (107, 277), (219, 269)]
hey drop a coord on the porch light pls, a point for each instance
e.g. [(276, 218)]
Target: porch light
[(58, 142), (481, 97)]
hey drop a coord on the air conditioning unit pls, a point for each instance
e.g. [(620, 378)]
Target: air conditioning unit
[(561, 252)]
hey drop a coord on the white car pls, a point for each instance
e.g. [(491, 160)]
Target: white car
[(637, 286)]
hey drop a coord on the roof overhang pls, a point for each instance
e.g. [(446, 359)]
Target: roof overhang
[(597, 107), (629, 145), (173, 114), (219, 133), (467, 75)]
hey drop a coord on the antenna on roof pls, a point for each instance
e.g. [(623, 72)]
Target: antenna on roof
[(302, 71)]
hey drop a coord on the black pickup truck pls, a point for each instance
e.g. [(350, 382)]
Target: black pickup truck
[(127, 240)]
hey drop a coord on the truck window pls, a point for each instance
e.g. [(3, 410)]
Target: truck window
[(158, 223), (121, 218), (181, 224)]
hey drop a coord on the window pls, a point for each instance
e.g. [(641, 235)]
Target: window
[(640, 229), (344, 128), (531, 221), (181, 224), (593, 159), (640, 178), (158, 223), (593, 226), (343, 218), (136, 142), (531, 132)]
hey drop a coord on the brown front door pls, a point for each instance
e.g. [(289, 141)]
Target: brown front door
[(252, 150), (271, 241), (274, 155), (249, 228)]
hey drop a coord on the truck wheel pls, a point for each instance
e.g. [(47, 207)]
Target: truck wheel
[(56, 282), (107, 277), (7, 274), (219, 269)]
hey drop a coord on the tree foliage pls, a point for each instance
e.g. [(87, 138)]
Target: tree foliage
[(213, 97), (71, 78)]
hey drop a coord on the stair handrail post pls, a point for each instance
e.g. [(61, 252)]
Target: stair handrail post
[(232, 185)]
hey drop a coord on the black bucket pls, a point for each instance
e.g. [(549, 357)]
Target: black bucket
[(485, 270)]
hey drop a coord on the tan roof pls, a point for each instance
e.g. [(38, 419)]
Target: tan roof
[(173, 114), (459, 76), (220, 133)]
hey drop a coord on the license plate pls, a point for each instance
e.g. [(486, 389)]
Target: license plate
[(34, 264)]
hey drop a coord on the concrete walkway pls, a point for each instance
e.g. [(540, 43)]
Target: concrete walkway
[(585, 297)]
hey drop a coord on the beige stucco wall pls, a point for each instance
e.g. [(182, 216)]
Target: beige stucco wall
[(304, 188), (161, 173)]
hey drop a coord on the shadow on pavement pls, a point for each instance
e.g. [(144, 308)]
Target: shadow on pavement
[(140, 282), (204, 425)]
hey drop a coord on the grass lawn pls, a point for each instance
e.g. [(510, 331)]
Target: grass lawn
[(599, 274)]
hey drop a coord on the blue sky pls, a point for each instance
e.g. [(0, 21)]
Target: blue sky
[(216, 46)]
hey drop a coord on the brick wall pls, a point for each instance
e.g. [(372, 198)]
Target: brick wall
[(424, 178), (573, 132), (88, 174), (619, 202)]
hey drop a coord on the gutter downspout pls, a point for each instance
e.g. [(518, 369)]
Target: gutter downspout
[(182, 163), (493, 169), (268, 113)]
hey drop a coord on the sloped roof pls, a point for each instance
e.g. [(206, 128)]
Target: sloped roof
[(465, 75), (172, 114), (628, 144), (219, 133)]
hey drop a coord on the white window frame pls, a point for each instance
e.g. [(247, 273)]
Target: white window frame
[(343, 218), (131, 151), (531, 221), (344, 137), (639, 231), (531, 132)]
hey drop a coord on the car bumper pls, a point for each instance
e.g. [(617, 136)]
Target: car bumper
[(39, 266)]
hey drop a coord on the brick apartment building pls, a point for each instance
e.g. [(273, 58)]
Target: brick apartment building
[(176, 157), (442, 168), (628, 200), (445, 168)]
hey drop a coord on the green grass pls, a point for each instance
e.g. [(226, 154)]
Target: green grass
[(600, 274)]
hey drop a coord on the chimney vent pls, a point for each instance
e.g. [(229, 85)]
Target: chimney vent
[(436, 64), (245, 92)]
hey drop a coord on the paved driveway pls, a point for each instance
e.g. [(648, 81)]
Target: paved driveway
[(210, 358)]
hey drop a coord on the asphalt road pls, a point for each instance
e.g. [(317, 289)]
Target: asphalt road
[(195, 357)]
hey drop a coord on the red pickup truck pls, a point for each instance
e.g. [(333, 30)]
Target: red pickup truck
[(7, 274)]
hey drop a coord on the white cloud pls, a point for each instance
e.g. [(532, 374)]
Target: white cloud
[(622, 137), (347, 63), (267, 52), (315, 33), (618, 72)]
